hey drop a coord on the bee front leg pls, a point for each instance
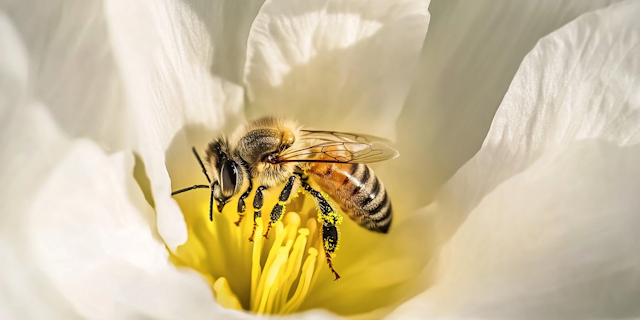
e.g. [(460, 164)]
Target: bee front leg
[(278, 209), (258, 201), (329, 218), (241, 206)]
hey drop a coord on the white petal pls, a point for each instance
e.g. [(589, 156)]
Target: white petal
[(335, 64), (540, 224), (128, 74), (35, 147), (228, 23), (78, 236), (19, 176), (82, 57), (14, 66), (165, 66), (92, 232), (557, 241), (72, 68), (470, 56), (78, 239), (578, 83)]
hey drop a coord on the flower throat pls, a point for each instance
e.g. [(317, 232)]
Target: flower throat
[(267, 275)]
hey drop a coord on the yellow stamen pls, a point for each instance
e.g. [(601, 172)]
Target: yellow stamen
[(272, 273), (301, 291), (256, 269), (293, 268), (267, 276), (225, 296), (288, 272)]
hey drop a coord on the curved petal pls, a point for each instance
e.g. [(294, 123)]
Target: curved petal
[(78, 236), (228, 23), (35, 148), (103, 254), (470, 55), (14, 67), (334, 64), (556, 241), (128, 75), (72, 69), (165, 66), (543, 219), (578, 83), (20, 171), (85, 57)]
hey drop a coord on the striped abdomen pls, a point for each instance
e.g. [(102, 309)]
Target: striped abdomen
[(358, 191)]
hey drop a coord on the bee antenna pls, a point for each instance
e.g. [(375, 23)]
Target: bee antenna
[(201, 164), (197, 186)]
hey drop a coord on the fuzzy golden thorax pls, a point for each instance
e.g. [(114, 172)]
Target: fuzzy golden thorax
[(260, 142)]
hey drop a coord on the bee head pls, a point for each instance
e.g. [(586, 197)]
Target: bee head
[(228, 173)]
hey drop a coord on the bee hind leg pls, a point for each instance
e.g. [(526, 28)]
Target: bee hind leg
[(330, 238), (278, 209), (241, 205), (329, 218), (258, 201)]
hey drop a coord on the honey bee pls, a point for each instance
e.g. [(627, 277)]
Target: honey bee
[(271, 152)]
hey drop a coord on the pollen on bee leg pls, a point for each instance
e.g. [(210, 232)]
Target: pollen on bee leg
[(330, 239), (276, 215)]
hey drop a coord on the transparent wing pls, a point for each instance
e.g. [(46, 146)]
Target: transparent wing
[(340, 147)]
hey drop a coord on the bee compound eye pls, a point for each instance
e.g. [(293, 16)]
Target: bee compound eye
[(228, 178)]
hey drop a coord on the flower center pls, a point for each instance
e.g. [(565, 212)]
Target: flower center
[(267, 275)]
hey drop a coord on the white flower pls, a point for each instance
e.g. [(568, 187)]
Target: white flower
[(540, 223)]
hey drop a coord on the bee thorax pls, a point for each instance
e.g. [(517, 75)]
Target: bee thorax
[(257, 144)]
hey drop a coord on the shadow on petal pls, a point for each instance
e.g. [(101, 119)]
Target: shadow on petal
[(334, 65), (470, 56)]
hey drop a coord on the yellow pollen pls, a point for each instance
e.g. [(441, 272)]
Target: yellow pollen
[(266, 276)]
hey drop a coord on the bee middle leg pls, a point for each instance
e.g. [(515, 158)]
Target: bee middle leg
[(241, 206), (278, 209), (258, 202)]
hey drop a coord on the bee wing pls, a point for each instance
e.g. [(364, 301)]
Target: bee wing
[(340, 147)]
